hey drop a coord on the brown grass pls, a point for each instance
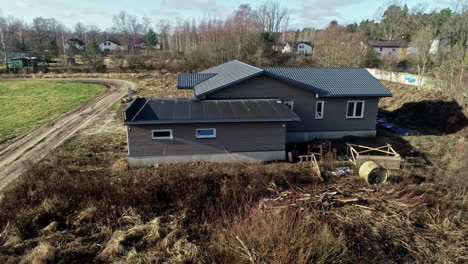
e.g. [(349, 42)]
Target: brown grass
[(288, 236), (82, 204)]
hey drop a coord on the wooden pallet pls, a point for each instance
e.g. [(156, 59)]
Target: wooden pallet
[(391, 160)]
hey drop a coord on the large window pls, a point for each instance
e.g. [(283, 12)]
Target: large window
[(205, 133), (355, 109), (162, 134), (319, 105)]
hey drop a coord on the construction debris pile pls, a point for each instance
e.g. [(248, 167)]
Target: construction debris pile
[(324, 200)]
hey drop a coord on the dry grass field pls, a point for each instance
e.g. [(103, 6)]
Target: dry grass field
[(82, 203)]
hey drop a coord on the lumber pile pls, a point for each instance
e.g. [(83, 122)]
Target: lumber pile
[(300, 199)]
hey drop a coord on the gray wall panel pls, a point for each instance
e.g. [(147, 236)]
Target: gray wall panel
[(304, 105), (230, 137)]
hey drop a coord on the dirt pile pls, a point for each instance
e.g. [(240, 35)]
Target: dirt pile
[(423, 110)]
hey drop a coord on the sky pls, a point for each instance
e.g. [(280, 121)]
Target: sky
[(304, 13)]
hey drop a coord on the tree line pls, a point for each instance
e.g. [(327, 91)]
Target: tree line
[(251, 33)]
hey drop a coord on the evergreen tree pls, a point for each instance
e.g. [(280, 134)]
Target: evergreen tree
[(151, 39)]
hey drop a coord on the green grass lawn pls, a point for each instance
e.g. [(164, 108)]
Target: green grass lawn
[(25, 105)]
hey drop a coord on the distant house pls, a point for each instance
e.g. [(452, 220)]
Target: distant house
[(243, 113), (110, 45), (440, 44), (140, 44), (74, 43), (24, 63), (386, 48), (15, 54), (300, 47), (303, 47)]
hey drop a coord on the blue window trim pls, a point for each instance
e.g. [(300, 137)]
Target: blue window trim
[(213, 135)]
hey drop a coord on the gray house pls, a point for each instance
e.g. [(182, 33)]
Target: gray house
[(244, 113)]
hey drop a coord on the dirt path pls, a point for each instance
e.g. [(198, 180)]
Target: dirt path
[(34, 146)]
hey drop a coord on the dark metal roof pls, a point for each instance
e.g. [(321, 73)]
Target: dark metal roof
[(388, 43), (226, 74), (326, 82), (302, 42), (189, 80), (332, 82), (191, 110), (79, 41)]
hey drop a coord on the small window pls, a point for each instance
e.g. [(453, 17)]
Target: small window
[(319, 109), (205, 133), (355, 109), (381, 49), (393, 49), (162, 134)]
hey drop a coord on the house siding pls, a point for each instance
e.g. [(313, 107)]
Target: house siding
[(334, 118), (230, 138)]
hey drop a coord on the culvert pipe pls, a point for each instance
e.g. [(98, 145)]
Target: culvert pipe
[(373, 173)]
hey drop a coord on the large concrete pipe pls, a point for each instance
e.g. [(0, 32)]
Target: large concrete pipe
[(373, 173)]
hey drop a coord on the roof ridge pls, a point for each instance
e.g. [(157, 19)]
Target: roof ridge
[(247, 64), (147, 100), (305, 67)]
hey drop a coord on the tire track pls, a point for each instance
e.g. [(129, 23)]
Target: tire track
[(36, 145)]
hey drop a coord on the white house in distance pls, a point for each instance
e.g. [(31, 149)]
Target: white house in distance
[(440, 44), (74, 42), (300, 47), (110, 45), (389, 47)]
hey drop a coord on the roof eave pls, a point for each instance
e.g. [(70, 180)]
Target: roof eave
[(153, 122), (358, 95), (184, 88), (130, 104)]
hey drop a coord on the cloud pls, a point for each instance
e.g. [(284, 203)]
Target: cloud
[(319, 12), (22, 4), (184, 4), (191, 8)]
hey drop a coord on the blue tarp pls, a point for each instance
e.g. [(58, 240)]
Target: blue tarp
[(393, 128)]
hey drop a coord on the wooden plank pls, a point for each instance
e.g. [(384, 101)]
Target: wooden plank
[(388, 162)]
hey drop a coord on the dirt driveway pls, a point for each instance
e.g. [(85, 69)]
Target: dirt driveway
[(34, 146)]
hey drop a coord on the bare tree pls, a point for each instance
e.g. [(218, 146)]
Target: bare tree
[(271, 17), (4, 36), (164, 29), (127, 27), (422, 40), (393, 20)]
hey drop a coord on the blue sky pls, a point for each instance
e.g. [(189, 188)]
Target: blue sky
[(304, 13)]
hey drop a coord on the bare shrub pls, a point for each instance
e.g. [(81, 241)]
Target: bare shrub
[(42, 254), (289, 236)]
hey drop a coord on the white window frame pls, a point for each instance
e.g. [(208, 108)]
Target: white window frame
[(290, 104), (161, 138), (354, 109), (323, 109), (209, 136)]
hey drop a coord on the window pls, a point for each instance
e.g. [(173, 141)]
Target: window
[(355, 109), (381, 49), (393, 49), (161, 134), (205, 133), (319, 109)]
